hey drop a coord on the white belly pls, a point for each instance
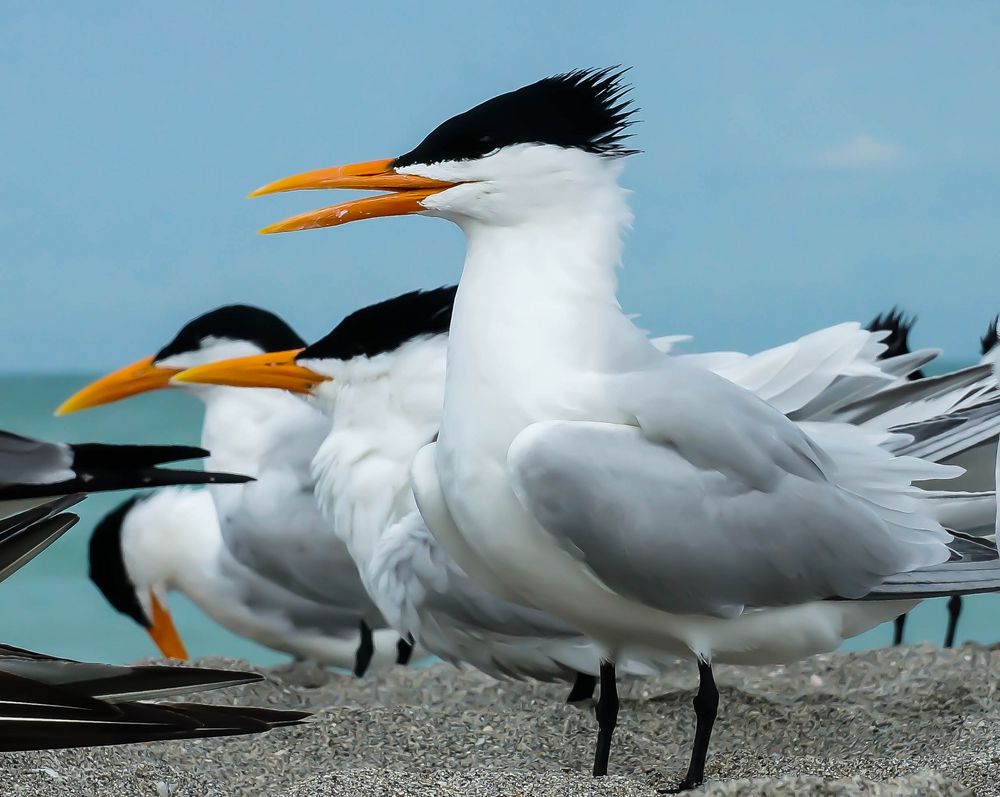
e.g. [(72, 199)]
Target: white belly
[(526, 560)]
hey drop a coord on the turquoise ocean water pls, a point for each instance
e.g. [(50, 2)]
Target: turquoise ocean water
[(51, 605)]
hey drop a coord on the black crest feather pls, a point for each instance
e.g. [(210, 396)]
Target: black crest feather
[(386, 326), (898, 342), (107, 563), (588, 109), (990, 340), (235, 322)]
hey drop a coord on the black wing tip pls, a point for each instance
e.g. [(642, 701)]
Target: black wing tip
[(213, 477), (990, 340), (271, 717), (115, 455), (171, 477)]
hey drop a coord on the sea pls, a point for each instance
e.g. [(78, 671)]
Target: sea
[(50, 605)]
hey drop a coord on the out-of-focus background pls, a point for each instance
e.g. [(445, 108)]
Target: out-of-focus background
[(802, 165)]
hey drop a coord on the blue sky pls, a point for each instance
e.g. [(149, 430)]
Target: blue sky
[(803, 163)]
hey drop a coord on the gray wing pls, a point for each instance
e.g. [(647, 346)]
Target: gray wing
[(24, 460), (25, 535), (818, 372), (947, 437), (919, 399), (265, 596), (425, 594), (275, 528), (418, 574), (714, 501)]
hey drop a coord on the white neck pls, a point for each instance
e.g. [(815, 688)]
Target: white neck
[(536, 309), (384, 410), (171, 541), (246, 429)]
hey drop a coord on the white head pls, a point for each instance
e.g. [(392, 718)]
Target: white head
[(547, 150), (378, 359), (141, 549), (235, 330), (380, 375)]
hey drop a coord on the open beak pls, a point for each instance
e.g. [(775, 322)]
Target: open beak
[(275, 369), (163, 632), (139, 377), (408, 191)]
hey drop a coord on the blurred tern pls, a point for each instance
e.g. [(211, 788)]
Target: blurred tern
[(48, 702), (264, 548), (170, 540), (646, 501)]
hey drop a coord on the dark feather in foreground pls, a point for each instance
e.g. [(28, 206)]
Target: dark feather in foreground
[(32, 468), (50, 703)]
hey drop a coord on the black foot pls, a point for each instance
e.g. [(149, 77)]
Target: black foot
[(606, 711), (899, 624), (706, 707), (365, 651), (583, 688), (404, 651), (954, 610)]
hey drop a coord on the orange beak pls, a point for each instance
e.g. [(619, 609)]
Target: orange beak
[(164, 633), (275, 369), (139, 377), (408, 193)]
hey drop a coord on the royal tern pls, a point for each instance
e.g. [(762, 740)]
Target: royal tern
[(274, 537), (169, 540), (646, 501), (48, 702)]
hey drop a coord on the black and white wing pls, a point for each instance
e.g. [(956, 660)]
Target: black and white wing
[(33, 471)]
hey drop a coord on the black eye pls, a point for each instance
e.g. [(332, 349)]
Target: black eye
[(486, 140)]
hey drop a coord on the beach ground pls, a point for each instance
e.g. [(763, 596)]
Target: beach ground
[(901, 721)]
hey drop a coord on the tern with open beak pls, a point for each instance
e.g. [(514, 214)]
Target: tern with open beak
[(648, 502)]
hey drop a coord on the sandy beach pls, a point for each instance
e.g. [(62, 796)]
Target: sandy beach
[(909, 721)]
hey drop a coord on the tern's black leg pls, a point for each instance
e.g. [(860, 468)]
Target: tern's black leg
[(365, 651), (706, 706), (954, 610), (899, 624), (404, 650), (607, 717), (583, 688)]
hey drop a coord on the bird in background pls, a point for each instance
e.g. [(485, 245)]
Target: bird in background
[(650, 503), (899, 326), (260, 560), (48, 702)]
